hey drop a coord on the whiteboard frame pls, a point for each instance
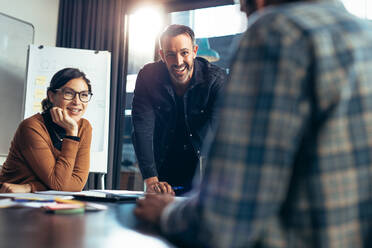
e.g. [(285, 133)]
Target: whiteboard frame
[(20, 71)]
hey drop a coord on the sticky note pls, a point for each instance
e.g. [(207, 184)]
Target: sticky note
[(40, 80), (40, 94), (36, 107)]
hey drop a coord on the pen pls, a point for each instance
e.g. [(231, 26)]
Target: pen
[(177, 188), (32, 200)]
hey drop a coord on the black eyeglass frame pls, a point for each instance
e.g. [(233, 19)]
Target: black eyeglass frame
[(75, 92)]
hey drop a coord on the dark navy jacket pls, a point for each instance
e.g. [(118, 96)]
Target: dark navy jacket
[(154, 111)]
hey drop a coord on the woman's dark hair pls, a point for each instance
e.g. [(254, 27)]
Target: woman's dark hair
[(61, 78)]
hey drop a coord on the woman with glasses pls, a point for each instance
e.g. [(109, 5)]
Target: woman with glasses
[(50, 151)]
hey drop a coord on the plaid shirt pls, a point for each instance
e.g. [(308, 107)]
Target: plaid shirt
[(291, 165)]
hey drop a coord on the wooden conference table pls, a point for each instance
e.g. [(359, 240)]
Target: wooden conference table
[(115, 227)]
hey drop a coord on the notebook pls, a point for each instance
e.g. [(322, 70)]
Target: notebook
[(108, 196)]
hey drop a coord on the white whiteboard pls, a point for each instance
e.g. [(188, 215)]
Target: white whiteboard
[(44, 62), (15, 36)]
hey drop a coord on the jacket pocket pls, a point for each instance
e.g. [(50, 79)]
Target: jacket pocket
[(163, 113)]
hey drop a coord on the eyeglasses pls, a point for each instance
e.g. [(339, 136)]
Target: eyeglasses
[(69, 94)]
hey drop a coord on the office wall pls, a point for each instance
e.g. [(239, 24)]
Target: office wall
[(43, 14)]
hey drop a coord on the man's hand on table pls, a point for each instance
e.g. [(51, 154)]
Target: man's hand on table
[(151, 207), (154, 186)]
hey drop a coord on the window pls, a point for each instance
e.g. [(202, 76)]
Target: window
[(216, 37), (144, 27), (360, 8)]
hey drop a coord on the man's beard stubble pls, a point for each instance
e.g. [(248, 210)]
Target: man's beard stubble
[(186, 78)]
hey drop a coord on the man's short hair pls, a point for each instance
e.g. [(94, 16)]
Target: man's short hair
[(174, 30)]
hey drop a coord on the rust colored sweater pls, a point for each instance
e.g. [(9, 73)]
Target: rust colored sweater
[(33, 159)]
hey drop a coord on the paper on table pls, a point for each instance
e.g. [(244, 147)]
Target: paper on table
[(32, 196), (7, 203), (68, 193), (44, 195), (34, 204), (55, 192), (96, 192)]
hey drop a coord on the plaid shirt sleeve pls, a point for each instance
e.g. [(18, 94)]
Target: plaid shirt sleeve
[(263, 120)]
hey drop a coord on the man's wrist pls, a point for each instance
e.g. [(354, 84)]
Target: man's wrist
[(151, 180)]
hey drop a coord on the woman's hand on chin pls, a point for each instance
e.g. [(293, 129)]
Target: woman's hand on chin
[(61, 118)]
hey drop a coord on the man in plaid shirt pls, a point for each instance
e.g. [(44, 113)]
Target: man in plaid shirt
[(291, 165)]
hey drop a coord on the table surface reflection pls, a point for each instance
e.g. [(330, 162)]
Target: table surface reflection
[(115, 227)]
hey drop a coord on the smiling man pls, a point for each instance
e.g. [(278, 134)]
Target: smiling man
[(174, 108)]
